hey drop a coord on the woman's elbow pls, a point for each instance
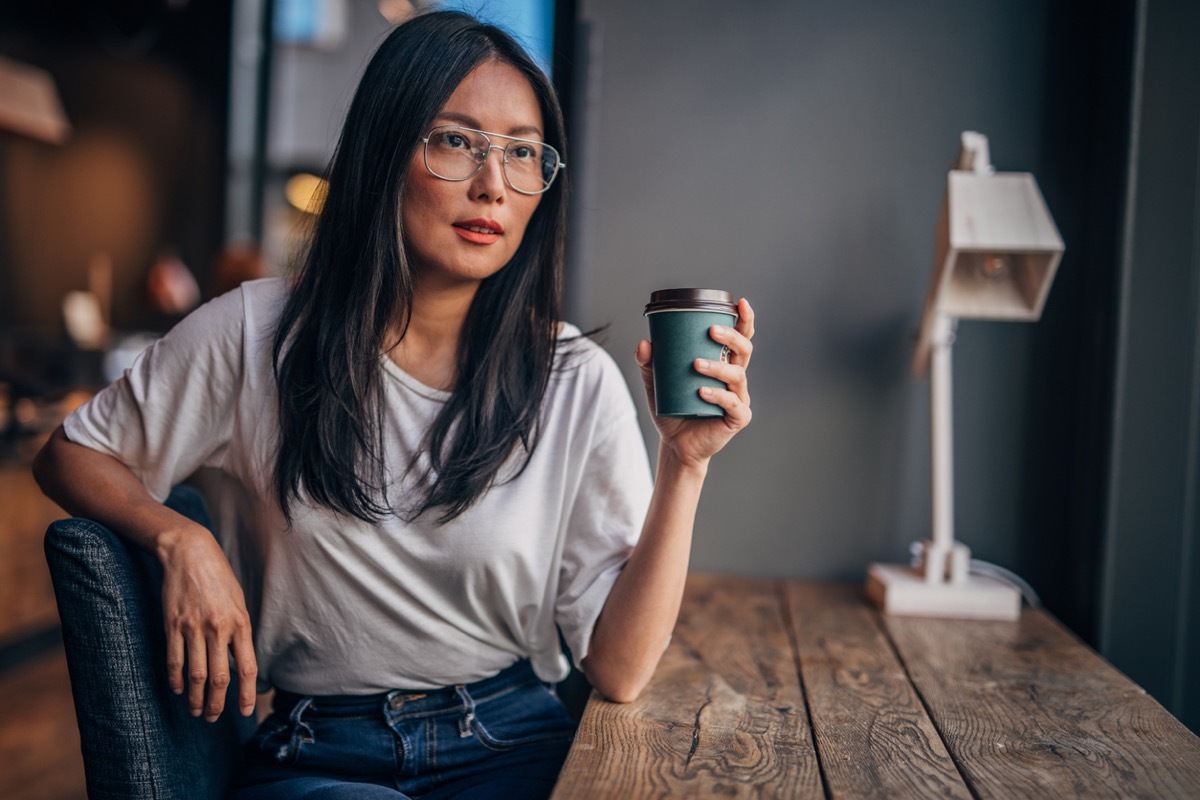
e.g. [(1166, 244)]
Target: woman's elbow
[(44, 463), (619, 686), (52, 467), (623, 694)]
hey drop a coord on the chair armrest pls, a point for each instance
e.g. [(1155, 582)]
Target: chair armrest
[(138, 738)]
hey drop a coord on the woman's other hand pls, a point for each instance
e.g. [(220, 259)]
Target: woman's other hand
[(643, 605), (204, 611), (694, 441)]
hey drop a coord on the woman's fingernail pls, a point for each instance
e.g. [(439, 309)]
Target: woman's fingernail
[(706, 391), (718, 329), (247, 710), (702, 363)]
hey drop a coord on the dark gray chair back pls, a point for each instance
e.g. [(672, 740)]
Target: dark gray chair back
[(138, 739)]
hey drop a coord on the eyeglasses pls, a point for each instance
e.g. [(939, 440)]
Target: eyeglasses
[(455, 153)]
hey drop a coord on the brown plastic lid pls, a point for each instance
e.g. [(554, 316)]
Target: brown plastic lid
[(691, 300)]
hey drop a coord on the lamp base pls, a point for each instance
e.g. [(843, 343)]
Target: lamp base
[(902, 591)]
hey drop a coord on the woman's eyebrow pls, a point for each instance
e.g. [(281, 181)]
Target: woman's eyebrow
[(468, 121)]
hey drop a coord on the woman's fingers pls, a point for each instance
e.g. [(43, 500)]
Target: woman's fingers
[(734, 399), (218, 676), (642, 354), (209, 670), (745, 323), (175, 661), (247, 667), (732, 375), (197, 671), (740, 348), (737, 413)]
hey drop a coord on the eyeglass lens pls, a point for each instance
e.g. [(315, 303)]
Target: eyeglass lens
[(458, 153)]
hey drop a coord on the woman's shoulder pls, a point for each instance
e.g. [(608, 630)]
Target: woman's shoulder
[(578, 350), (248, 300), (267, 290), (583, 361), (253, 308), (263, 298), (228, 323)]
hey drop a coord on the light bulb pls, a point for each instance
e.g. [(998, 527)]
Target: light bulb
[(994, 267)]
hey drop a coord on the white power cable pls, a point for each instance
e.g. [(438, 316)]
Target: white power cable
[(1008, 576)]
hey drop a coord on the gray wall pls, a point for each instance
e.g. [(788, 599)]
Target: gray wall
[(1151, 583), (795, 153)]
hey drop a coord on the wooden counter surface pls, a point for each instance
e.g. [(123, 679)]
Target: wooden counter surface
[(781, 689)]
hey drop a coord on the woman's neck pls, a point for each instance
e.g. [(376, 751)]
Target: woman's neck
[(429, 349)]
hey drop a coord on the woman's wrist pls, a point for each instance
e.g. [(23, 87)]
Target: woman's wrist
[(673, 466), (170, 541)]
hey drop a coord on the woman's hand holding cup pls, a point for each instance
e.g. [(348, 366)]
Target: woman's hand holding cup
[(695, 336)]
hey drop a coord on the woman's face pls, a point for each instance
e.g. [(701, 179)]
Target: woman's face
[(465, 231)]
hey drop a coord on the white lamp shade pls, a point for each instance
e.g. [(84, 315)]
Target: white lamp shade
[(997, 250)]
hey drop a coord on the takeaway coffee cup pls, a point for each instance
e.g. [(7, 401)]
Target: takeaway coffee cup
[(679, 323)]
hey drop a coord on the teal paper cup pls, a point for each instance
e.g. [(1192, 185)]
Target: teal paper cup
[(679, 322)]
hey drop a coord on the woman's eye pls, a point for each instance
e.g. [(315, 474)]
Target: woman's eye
[(523, 152), (453, 141)]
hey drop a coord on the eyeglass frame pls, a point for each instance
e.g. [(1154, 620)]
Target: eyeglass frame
[(559, 164)]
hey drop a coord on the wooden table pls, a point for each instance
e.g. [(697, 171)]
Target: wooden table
[(781, 689)]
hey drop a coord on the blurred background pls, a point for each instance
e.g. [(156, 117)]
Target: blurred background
[(794, 153)]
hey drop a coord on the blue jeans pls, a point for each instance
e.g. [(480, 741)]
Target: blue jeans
[(503, 737)]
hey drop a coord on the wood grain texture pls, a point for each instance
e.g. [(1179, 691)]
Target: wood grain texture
[(723, 717), (873, 735), (1027, 710), (26, 594)]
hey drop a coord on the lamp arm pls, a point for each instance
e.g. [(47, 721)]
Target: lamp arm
[(942, 335)]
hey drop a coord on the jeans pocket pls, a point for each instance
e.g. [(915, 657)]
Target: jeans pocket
[(529, 714)]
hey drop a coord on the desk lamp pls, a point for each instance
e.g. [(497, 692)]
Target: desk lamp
[(996, 253)]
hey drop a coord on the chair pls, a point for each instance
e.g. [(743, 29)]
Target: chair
[(138, 738)]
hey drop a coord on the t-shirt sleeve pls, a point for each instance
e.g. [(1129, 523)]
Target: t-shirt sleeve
[(173, 411), (607, 515)]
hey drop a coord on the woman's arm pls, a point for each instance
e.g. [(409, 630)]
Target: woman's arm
[(636, 623), (204, 609)]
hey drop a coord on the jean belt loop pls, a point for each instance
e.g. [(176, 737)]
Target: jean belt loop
[(301, 732), (464, 722), (299, 709)]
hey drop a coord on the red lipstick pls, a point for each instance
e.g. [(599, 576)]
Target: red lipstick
[(479, 231)]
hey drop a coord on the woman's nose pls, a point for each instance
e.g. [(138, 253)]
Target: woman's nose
[(489, 180)]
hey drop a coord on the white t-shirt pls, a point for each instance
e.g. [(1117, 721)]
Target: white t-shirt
[(347, 607)]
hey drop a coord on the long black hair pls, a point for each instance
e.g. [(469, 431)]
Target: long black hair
[(355, 287)]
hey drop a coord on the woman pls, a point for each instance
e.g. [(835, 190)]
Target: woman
[(445, 476)]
